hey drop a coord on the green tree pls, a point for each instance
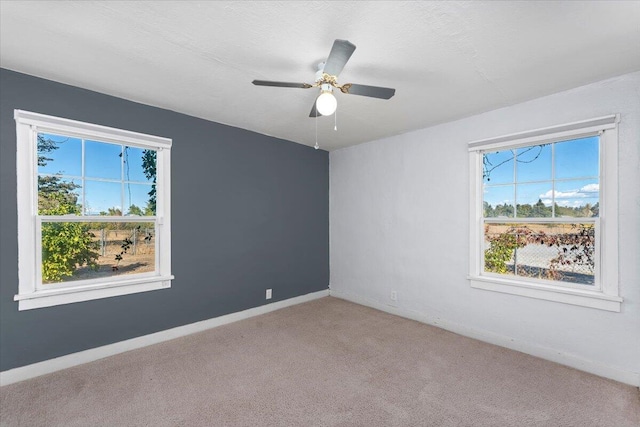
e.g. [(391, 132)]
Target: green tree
[(149, 158), (135, 210), (524, 210), (504, 210), (540, 210), (65, 245), (488, 210), (563, 211), (150, 209), (586, 210), (112, 225), (114, 211)]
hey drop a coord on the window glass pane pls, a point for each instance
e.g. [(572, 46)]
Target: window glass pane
[(103, 160), (138, 201), (103, 198), (79, 251), (138, 164), (533, 163), (531, 200), (59, 155), (498, 167), (59, 196), (579, 198), (556, 251), (578, 158), (498, 201)]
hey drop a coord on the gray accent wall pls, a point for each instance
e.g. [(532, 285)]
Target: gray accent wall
[(249, 212)]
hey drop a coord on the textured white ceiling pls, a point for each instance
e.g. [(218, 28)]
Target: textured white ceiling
[(447, 60)]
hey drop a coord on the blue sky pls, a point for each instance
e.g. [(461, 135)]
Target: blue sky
[(575, 164), (111, 183), (108, 181)]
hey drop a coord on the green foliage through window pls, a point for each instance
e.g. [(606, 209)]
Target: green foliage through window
[(71, 248), (65, 245)]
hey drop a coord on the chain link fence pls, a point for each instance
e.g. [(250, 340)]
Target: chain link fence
[(111, 241), (556, 251)]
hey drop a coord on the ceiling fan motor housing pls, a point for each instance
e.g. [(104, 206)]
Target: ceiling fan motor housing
[(326, 87)]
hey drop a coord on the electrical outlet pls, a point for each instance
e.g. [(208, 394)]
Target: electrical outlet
[(394, 296), (268, 293)]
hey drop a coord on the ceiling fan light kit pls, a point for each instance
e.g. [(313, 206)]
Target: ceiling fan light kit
[(327, 79), (326, 103)]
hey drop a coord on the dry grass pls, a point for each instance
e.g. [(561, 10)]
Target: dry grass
[(557, 228), (139, 258)]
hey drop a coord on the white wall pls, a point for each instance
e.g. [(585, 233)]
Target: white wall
[(399, 221)]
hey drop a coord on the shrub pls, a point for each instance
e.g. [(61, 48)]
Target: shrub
[(65, 245)]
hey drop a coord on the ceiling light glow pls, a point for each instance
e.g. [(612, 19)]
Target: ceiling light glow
[(326, 103)]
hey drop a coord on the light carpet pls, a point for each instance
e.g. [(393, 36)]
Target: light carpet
[(327, 362)]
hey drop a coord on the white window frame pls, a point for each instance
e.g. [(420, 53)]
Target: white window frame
[(606, 295), (30, 294)]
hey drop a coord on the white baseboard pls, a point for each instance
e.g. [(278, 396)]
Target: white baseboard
[(596, 368), (63, 362)]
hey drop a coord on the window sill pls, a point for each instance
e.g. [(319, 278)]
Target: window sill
[(52, 297), (581, 297)]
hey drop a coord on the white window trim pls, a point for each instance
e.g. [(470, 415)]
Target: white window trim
[(28, 125), (607, 297)]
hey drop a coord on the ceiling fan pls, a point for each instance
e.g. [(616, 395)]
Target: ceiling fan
[(327, 80)]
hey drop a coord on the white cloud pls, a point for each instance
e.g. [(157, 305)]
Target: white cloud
[(571, 198), (590, 188)]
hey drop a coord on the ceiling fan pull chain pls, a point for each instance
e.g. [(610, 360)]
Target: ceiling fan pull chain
[(316, 146), (335, 120)]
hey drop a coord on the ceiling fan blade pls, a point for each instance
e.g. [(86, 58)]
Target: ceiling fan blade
[(314, 112), (364, 90), (338, 57), (281, 84)]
